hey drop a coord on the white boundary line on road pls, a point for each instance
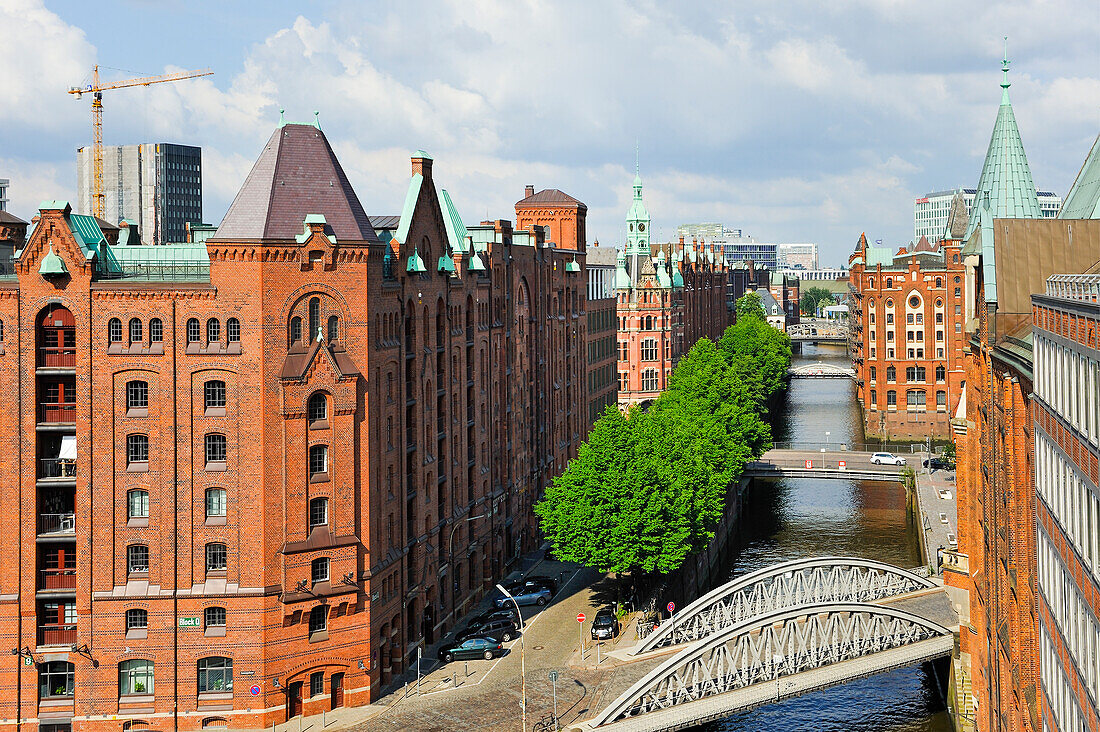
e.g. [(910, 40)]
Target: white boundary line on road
[(526, 627)]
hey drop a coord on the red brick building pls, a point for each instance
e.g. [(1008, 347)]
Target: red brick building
[(252, 477), (906, 316)]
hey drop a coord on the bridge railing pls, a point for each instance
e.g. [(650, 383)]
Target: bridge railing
[(897, 448)]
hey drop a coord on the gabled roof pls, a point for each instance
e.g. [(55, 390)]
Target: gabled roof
[(385, 222), (1083, 199), (10, 218), (550, 197), (925, 246), (1006, 178), (452, 222), (296, 174)]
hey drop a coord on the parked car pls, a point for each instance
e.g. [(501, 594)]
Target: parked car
[(501, 629), (945, 494), (938, 463), (485, 648), (953, 541), (605, 626), (526, 596), (547, 582), (887, 458), (504, 613)]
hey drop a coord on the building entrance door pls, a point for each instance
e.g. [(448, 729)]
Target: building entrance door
[(337, 690), (294, 705)]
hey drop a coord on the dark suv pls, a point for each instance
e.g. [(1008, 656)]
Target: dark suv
[(501, 629), (504, 613), (605, 626), (485, 648)]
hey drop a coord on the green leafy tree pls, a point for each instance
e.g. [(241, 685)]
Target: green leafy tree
[(750, 306), (760, 355), (812, 298)]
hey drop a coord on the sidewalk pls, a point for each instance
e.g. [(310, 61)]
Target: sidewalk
[(933, 509)]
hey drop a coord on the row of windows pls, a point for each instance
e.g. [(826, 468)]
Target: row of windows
[(1061, 700), (57, 678), (1070, 500), (216, 560), (1069, 381), (156, 330), (913, 374), (1073, 619), (137, 506), (916, 400), (913, 353)]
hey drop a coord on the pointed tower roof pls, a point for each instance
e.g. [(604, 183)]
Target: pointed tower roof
[(1006, 178), (957, 218), (295, 175), (1083, 199)]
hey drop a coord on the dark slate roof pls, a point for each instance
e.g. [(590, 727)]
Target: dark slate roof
[(10, 218), (105, 226), (296, 174), (548, 197), (385, 222), (300, 356)]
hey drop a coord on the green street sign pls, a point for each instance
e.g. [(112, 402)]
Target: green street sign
[(188, 622)]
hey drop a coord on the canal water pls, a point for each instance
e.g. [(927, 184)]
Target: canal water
[(793, 518)]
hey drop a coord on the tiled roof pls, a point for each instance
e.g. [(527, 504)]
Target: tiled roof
[(296, 174), (924, 246), (550, 196), (1083, 199), (10, 218)]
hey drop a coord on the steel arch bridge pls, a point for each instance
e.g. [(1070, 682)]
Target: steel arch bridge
[(818, 331), (805, 581), (772, 646), (821, 371)]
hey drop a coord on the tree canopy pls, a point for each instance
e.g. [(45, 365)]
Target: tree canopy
[(812, 298), (749, 305), (648, 489)]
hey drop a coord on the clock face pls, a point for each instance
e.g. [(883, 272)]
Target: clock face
[(641, 227)]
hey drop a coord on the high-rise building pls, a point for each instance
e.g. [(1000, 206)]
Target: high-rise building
[(745, 248), (1010, 250), (157, 186), (930, 210), (1066, 408), (4, 184), (290, 457), (706, 231), (603, 329), (797, 256)]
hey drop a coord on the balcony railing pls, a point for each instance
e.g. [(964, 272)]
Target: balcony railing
[(57, 579), (56, 468), (57, 357), (56, 523), (57, 412), (57, 635)]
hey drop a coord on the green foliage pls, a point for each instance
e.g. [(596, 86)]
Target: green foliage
[(812, 298), (648, 489), (749, 306)]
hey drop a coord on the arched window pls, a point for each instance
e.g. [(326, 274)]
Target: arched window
[(941, 374), (215, 502), (215, 674), (213, 330), (137, 504), (56, 679), (216, 559), (318, 407), (941, 401), (314, 318), (318, 512), (233, 330), (891, 398), (114, 330), (649, 322), (194, 330), (137, 559), (295, 329), (214, 617), (891, 374), (216, 450), (156, 331), (137, 394), (137, 619), (318, 619), (889, 282), (214, 394), (135, 677), (939, 282), (318, 459), (137, 450), (319, 570), (135, 330), (333, 328)]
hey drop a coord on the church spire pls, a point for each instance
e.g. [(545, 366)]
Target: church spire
[(1005, 83)]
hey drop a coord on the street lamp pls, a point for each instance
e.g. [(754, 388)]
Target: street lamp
[(451, 553), (827, 439), (522, 664)]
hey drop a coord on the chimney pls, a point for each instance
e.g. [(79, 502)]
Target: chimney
[(528, 191), (422, 164)]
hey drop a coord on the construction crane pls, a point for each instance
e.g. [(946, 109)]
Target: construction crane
[(96, 89)]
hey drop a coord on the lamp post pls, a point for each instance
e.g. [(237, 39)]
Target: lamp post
[(522, 664), (827, 440), (451, 555)]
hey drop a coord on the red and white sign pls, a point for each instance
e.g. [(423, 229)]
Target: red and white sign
[(842, 465), (809, 464), (671, 606), (580, 617)]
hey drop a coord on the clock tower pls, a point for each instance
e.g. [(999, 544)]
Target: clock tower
[(637, 220)]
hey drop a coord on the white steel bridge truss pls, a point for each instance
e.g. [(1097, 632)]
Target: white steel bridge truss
[(790, 584), (768, 647)]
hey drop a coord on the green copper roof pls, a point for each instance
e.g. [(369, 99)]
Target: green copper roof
[(1006, 178), (411, 197), (312, 219), (52, 265), (446, 264), (572, 266), (415, 263), (474, 263), (456, 230), (1083, 199)]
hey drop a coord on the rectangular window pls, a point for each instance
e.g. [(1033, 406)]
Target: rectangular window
[(137, 559), (214, 617), (215, 502), (317, 683), (138, 504), (215, 558), (137, 395), (156, 331), (137, 449), (216, 451), (215, 394)]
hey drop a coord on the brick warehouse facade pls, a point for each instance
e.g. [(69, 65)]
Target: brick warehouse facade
[(286, 458), (906, 313)]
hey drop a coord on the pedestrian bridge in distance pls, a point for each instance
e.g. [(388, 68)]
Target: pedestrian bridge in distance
[(820, 464), (782, 631), (818, 331), (821, 371)]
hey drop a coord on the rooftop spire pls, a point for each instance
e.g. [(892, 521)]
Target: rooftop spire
[(1005, 83), (637, 172)]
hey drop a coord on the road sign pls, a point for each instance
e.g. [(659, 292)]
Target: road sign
[(809, 464), (671, 606), (28, 661), (842, 464), (553, 675), (580, 617), (255, 690)]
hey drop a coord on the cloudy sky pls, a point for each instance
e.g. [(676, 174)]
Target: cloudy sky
[(800, 120)]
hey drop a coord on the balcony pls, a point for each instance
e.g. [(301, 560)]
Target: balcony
[(57, 635), (57, 579), (56, 523), (56, 357), (57, 413), (60, 469)]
